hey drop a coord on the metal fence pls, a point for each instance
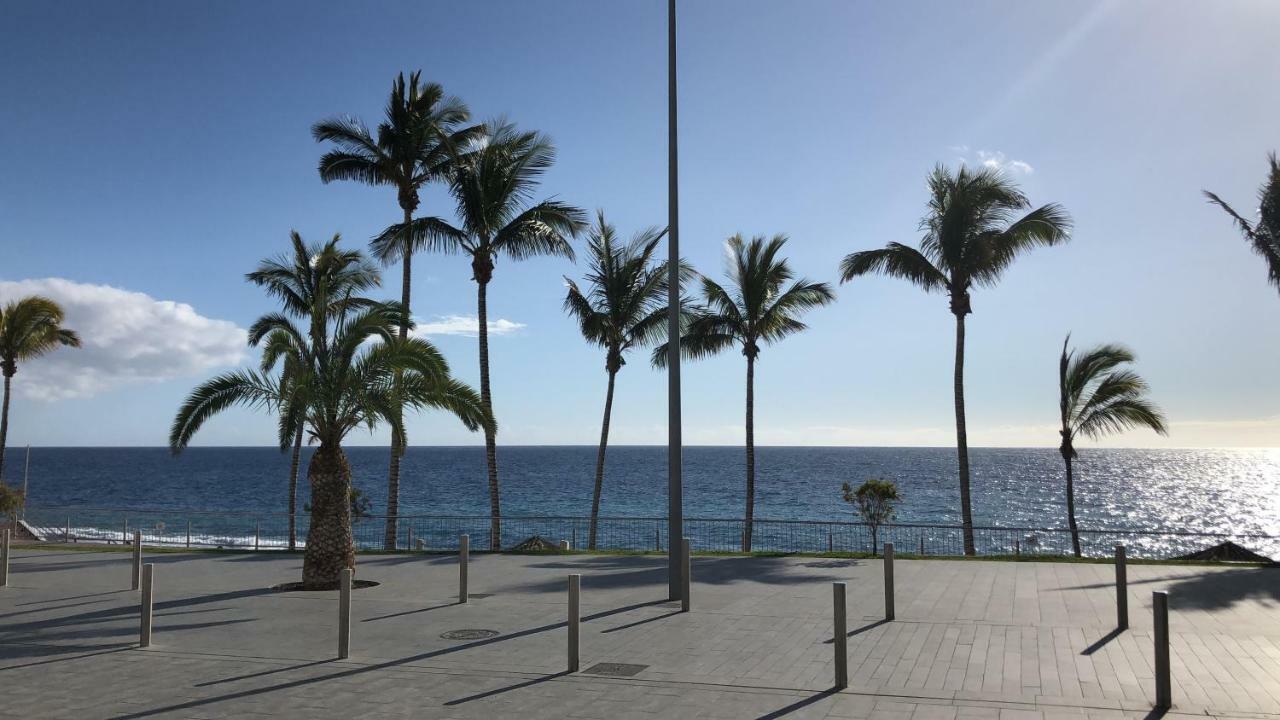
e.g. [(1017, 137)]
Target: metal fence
[(269, 531)]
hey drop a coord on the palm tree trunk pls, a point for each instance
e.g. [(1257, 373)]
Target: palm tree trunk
[(393, 469), (293, 489), (329, 543), (751, 455), (4, 422), (490, 438), (604, 442), (962, 440), (1071, 508)]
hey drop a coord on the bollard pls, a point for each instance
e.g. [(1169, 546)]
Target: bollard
[(1122, 589), (575, 606), (4, 558), (564, 545), (148, 594), (257, 535), (686, 550), (888, 581), (464, 551), (137, 559), (657, 540), (344, 614), (188, 534), (1160, 612), (841, 636)]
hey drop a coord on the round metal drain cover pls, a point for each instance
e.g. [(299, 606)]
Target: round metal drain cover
[(471, 634)]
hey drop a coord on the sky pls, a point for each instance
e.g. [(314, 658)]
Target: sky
[(155, 151)]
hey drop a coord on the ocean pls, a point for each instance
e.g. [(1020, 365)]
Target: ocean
[(1226, 491)]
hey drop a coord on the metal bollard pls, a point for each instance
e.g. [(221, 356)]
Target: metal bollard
[(464, 552), (888, 581), (575, 608), (148, 595), (137, 559), (4, 558), (841, 635), (344, 614), (686, 550), (1122, 589), (1160, 621), (564, 545)]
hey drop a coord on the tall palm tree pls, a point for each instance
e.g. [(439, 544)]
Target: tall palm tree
[(354, 372), (417, 143), (1096, 399), (1264, 234), (293, 280), (974, 229), (492, 186), (29, 327), (624, 306), (755, 310)]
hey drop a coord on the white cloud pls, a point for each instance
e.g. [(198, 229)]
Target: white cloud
[(465, 325), (993, 159), (128, 337)]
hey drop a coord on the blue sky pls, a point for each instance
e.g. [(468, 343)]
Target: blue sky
[(155, 151)]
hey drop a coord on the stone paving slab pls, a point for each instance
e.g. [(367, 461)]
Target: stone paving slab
[(1037, 637)]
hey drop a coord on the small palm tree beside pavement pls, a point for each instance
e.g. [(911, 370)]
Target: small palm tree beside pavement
[(492, 186), (416, 144), (29, 327), (1264, 233), (624, 306), (973, 231), (355, 372), (760, 308), (1097, 397)]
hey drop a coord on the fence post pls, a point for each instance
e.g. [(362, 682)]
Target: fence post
[(67, 536), (137, 559), (257, 534), (344, 614), (1160, 611), (464, 551), (921, 544), (575, 605), (409, 533), (1017, 547), (144, 627), (1122, 589), (831, 544), (657, 540), (686, 550), (841, 636), (574, 535), (4, 558), (888, 581), (124, 534), (188, 533)]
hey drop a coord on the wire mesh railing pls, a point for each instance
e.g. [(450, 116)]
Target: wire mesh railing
[(270, 531)]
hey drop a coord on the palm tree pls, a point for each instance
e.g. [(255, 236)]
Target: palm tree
[(417, 144), (625, 306), (492, 185), (757, 310), (1263, 235), (293, 280), (1097, 399), (972, 233), (353, 371), (29, 327)]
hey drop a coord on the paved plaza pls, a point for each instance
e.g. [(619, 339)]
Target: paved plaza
[(971, 639)]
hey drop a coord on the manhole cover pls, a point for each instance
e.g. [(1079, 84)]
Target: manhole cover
[(615, 669), (473, 634)]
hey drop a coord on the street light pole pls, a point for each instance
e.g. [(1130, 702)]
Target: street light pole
[(675, 485)]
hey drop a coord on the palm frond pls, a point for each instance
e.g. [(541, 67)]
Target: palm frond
[(234, 388), (894, 260)]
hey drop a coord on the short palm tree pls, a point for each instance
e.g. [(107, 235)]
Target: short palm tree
[(417, 143), (974, 229), (1097, 398), (354, 371), (29, 327), (759, 308), (292, 279), (1264, 234), (492, 186), (624, 306)]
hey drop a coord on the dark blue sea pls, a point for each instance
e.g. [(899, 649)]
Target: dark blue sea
[(1228, 491)]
